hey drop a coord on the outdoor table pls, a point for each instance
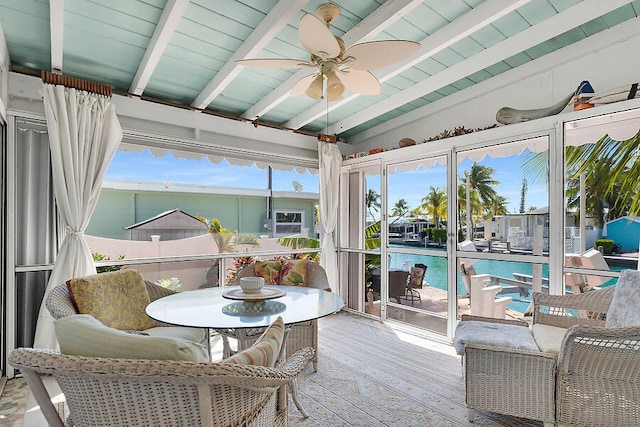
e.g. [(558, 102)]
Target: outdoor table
[(209, 309)]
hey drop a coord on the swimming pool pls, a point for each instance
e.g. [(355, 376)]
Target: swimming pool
[(436, 274)]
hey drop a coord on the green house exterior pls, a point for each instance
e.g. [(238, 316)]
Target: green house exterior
[(237, 209)]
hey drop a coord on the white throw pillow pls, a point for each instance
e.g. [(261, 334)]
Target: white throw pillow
[(625, 305), (549, 338), (83, 335)]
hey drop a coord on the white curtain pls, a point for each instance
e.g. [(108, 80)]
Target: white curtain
[(84, 133), (330, 161)]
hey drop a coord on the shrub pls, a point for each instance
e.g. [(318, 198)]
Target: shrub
[(607, 245), (439, 235), (100, 257)]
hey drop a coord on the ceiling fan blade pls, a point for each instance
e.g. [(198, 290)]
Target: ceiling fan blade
[(316, 37), (274, 63), (302, 85), (360, 81), (378, 54)]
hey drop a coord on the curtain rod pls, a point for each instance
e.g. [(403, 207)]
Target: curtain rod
[(75, 82)]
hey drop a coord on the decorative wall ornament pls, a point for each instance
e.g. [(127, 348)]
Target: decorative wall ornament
[(406, 142), (508, 115), (457, 131), (621, 93)]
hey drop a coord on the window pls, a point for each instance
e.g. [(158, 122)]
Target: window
[(288, 221)]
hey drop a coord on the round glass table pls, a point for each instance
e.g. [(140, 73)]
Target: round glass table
[(210, 309)]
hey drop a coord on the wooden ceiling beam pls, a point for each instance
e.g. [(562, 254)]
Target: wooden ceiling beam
[(564, 21), (270, 26), (56, 27), (171, 15), (477, 18)]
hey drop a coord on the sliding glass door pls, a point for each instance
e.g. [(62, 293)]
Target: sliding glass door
[(417, 285)]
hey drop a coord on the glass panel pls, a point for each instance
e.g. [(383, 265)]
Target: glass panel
[(372, 281), (174, 167), (417, 274), (359, 232), (602, 202), (418, 203), (494, 288), (505, 188), (418, 290), (287, 229), (291, 217)]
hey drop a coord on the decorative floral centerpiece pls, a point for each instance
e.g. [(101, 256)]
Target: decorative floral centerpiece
[(172, 283)]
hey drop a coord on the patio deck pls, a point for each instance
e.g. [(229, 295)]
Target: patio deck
[(370, 374), (434, 301)]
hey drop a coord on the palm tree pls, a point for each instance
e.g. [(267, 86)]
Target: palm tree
[(373, 202), (227, 241), (416, 212), (612, 175), (498, 206), (435, 204), (601, 191), (481, 182), (476, 206), (400, 208)]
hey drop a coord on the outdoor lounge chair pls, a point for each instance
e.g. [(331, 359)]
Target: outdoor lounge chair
[(592, 259), (578, 365)]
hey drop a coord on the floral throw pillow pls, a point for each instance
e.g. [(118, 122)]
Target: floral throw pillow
[(294, 272), (269, 271), (415, 280), (117, 299)]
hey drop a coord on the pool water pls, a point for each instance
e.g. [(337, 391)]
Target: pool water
[(436, 275)]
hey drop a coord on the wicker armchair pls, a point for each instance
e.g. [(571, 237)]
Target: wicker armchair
[(59, 304), (301, 335), (123, 392), (522, 382), (593, 381)]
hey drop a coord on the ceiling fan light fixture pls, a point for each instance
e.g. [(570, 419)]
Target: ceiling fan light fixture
[(335, 88), (314, 91)]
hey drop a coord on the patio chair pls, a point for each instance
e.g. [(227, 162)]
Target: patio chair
[(578, 364), (301, 335), (60, 304), (416, 276), (398, 280), (591, 258), (126, 392)]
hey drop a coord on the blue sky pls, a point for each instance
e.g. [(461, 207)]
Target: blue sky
[(410, 185), (414, 185), (131, 166)]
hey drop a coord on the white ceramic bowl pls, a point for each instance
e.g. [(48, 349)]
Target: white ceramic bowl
[(251, 285)]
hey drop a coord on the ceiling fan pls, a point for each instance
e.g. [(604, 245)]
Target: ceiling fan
[(337, 69)]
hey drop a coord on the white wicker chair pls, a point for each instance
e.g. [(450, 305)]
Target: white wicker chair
[(303, 334), (123, 392), (59, 304), (593, 382)]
